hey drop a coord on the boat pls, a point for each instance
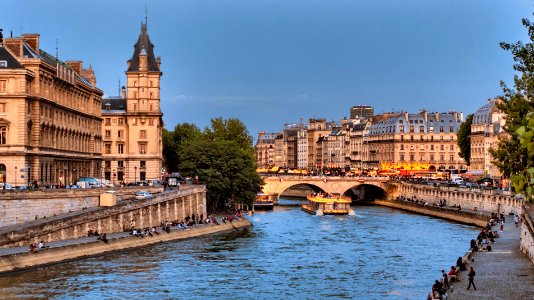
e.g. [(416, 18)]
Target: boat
[(264, 202), (322, 204)]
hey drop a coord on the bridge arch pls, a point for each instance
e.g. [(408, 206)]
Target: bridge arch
[(365, 192)]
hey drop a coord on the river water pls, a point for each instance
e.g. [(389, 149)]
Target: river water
[(380, 253)]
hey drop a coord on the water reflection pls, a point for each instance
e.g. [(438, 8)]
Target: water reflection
[(378, 254)]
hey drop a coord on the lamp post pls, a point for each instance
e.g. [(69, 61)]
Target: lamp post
[(16, 176), (135, 173)]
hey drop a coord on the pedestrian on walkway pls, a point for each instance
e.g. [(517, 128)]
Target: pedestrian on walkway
[(516, 220), (471, 276), (502, 227)]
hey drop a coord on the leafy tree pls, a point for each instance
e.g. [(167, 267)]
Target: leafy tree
[(221, 156), (174, 140), (464, 141), (512, 154)]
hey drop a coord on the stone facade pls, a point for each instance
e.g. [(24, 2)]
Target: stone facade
[(132, 128), (50, 116)]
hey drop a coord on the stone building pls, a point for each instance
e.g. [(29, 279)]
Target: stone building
[(317, 129), (132, 127), (302, 148), (415, 142), (50, 116), (487, 127), (264, 149), (362, 111)]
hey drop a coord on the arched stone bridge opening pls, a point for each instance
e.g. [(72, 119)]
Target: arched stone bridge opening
[(358, 188)]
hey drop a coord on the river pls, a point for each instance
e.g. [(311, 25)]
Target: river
[(380, 253)]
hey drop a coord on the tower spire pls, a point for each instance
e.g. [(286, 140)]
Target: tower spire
[(146, 15)]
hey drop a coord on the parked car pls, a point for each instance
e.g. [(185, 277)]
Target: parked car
[(21, 187), (6, 186), (143, 195)]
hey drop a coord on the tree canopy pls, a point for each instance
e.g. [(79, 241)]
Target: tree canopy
[(514, 155), (464, 142), (221, 156)]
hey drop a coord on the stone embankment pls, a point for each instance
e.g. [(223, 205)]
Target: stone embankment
[(466, 217), (165, 206), (72, 250), (19, 207)]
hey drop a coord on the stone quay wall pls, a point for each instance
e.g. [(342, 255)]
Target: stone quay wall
[(481, 199), (469, 218), (165, 206), (17, 207), (27, 260), (527, 232)]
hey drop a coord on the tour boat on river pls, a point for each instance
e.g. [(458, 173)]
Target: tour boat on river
[(265, 202), (322, 204)]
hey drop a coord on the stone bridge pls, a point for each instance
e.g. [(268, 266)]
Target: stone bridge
[(358, 187)]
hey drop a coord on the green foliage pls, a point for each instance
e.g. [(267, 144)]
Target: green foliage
[(222, 158), (173, 142), (464, 142), (514, 154)]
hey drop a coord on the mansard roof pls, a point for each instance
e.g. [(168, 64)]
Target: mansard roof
[(12, 62), (113, 105), (144, 46)]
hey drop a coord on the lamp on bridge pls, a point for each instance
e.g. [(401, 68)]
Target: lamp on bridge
[(135, 173), (16, 176)]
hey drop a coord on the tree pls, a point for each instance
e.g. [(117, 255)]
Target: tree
[(464, 141), (173, 141), (512, 154), (221, 156)]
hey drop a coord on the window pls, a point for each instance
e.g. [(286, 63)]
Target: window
[(401, 128), (412, 128), (142, 176), (107, 164), (120, 134), (411, 138), (402, 147), (107, 122), (431, 129), (431, 157), (134, 123), (3, 63), (107, 148), (452, 147), (120, 176), (142, 164), (421, 129), (2, 107), (120, 148), (441, 129), (451, 129), (452, 157), (151, 122), (121, 121), (442, 157), (3, 135), (151, 107), (431, 147), (120, 164), (108, 133), (422, 147), (142, 148), (3, 86), (442, 147), (135, 107), (402, 157), (411, 157), (142, 134)]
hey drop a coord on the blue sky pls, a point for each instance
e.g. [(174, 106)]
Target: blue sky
[(272, 62)]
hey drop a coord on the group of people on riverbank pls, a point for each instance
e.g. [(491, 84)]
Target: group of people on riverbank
[(34, 247)]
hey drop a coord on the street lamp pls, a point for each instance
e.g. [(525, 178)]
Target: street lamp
[(135, 173), (16, 176)]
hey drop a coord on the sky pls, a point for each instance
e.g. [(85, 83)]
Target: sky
[(272, 62)]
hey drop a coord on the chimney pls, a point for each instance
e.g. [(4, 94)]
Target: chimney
[(123, 92), (158, 60), (76, 65), (461, 116), (14, 45), (32, 39), (406, 116)]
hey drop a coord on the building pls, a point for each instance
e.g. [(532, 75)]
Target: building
[(50, 116), (486, 128), (362, 111), (415, 142), (132, 128), (290, 133), (333, 149), (356, 149), (317, 128), (265, 151), (302, 148)]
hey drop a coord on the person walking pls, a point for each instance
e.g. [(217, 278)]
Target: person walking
[(471, 276), (516, 220)]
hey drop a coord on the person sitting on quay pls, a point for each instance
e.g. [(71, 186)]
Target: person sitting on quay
[(438, 286), (473, 245), (488, 247), (33, 248), (154, 230), (460, 264), (445, 279), (103, 237), (433, 295), (459, 208), (453, 276)]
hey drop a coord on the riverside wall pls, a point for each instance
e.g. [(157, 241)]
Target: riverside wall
[(165, 206), (472, 199), (19, 207), (526, 244), (469, 218), (27, 260)]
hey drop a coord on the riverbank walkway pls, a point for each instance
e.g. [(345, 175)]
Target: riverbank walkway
[(92, 239), (503, 273)]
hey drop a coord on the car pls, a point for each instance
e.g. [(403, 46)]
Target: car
[(21, 187), (6, 186), (143, 195)]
